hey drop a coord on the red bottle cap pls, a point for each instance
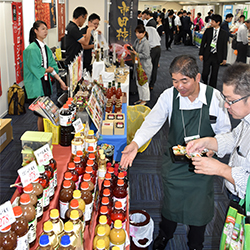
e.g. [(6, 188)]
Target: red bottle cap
[(90, 149), (91, 156), (106, 183), (104, 210), (105, 200), (71, 166), (36, 180), (24, 199), (86, 177), (89, 169), (79, 153), (65, 106), (110, 169), (106, 192), (90, 162), (70, 99), (67, 176), (120, 182), (108, 176), (6, 229), (28, 188), (118, 204), (17, 211), (66, 184), (84, 185), (121, 175), (74, 204), (77, 160)]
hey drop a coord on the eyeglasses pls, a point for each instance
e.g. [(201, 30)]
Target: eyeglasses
[(233, 102)]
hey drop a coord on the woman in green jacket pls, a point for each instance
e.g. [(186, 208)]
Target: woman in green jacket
[(38, 65)]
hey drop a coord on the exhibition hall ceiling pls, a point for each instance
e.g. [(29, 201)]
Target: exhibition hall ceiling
[(196, 2)]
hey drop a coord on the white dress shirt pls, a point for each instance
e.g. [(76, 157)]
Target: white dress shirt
[(177, 21), (163, 110), (242, 34), (153, 37)]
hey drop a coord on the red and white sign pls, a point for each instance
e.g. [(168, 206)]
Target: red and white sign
[(7, 216), (43, 154), (78, 125)]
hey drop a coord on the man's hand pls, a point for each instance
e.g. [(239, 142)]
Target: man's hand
[(63, 86), (224, 62), (207, 166), (128, 155), (201, 58)]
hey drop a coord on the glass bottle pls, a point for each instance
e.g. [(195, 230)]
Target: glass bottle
[(109, 93), (113, 88), (119, 92), (48, 230), (117, 235), (101, 234), (44, 181), (87, 197), (38, 191), (103, 222), (56, 221), (44, 243), (120, 194)]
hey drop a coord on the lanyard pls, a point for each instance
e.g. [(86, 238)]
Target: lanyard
[(183, 123), (45, 75)]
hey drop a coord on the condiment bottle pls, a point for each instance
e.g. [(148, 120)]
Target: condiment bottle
[(90, 150), (72, 169), (121, 176), (66, 195), (108, 177), (87, 178), (66, 126), (113, 88), (50, 173), (119, 92), (44, 243), (82, 159), (120, 194), (118, 213), (48, 230), (29, 213), (106, 202), (103, 222), (106, 184), (101, 235), (44, 181), (104, 211), (74, 205), (77, 144), (91, 140), (91, 163), (65, 243), (109, 92), (106, 193), (77, 195), (100, 245), (8, 239), (89, 171), (56, 221), (102, 167), (87, 197), (77, 224), (21, 228), (73, 105), (29, 190), (68, 230), (68, 177), (117, 235), (38, 191), (79, 167), (53, 164), (113, 176)]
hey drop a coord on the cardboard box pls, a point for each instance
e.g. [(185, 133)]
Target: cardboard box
[(6, 133), (107, 128), (110, 117), (119, 128)]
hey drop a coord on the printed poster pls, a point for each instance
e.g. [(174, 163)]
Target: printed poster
[(61, 19)]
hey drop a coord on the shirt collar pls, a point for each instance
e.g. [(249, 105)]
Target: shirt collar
[(42, 44), (202, 94), (216, 29), (247, 118)]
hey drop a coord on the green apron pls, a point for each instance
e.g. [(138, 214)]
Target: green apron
[(188, 197)]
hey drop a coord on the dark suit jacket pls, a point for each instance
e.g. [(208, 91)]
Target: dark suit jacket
[(166, 24), (221, 46), (186, 22), (151, 23), (139, 21)]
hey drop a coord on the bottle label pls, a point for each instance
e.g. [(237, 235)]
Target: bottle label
[(122, 200), (55, 178), (23, 242), (32, 231), (75, 148), (121, 247), (46, 196), (88, 211), (39, 207), (64, 206), (101, 173), (51, 187), (65, 120)]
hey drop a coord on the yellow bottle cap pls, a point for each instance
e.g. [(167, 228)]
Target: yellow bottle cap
[(68, 226), (101, 231), (118, 224), (77, 194), (115, 248), (74, 215), (77, 134), (54, 213), (47, 226), (91, 132), (100, 244), (103, 219)]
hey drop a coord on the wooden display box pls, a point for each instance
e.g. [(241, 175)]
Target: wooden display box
[(119, 128), (107, 128)]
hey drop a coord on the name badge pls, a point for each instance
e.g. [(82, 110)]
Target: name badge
[(213, 44), (190, 138)]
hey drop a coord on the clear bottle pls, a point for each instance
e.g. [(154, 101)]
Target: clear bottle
[(66, 126), (91, 140), (77, 144), (120, 194), (56, 221), (77, 195), (48, 230), (102, 167), (77, 224), (117, 235), (100, 245), (113, 88), (65, 243), (8, 239), (104, 211), (103, 222), (44, 243), (38, 191), (101, 234), (21, 228), (50, 173), (44, 181), (29, 213), (74, 205), (69, 230), (33, 198), (66, 195), (88, 198), (68, 177)]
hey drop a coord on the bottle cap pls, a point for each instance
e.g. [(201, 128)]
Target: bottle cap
[(86, 177), (110, 169), (71, 166), (118, 224), (54, 214), (101, 230), (91, 156), (67, 175), (28, 188), (77, 160), (47, 226), (65, 106), (84, 185), (104, 210), (65, 241), (102, 157), (24, 199), (106, 183), (44, 240), (105, 200), (77, 194), (74, 204), (118, 204), (90, 149), (120, 182), (74, 215), (100, 244), (66, 184), (108, 176), (41, 169), (101, 151), (35, 181), (90, 162), (115, 248), (79, 153), (17, 211), (70, 99), (89, 170), (121, 175), (68, 227), (6, 229), (106, 192), (103, 219), (91, 132)]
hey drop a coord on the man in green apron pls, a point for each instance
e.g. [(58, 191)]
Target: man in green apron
[(194, 110)]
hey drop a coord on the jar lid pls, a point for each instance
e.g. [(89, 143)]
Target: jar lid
[(84, 185), (77, 194), (54, 213), (65, 241), (44, 240), (17, 211), (24, 199)]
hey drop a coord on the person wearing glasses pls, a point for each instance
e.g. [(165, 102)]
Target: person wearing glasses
[(236, 93), (193, 110)]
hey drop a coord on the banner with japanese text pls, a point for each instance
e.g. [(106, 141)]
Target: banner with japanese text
[(17, 20), (61, 19), (122, 21)]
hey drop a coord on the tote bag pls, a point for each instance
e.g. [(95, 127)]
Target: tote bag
[(141, 75)]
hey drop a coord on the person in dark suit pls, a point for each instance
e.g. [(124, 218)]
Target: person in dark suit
[(139, 15), (186, 25), (150, 20), (213, 50), (169, 28)]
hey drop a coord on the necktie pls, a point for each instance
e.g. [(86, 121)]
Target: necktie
[(213, 50)]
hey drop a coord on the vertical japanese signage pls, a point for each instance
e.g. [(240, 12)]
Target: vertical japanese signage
[(17, 20), (61, 19), (123, 21)]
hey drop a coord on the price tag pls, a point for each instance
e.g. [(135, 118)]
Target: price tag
[(28, 173), (43, 154), (78, 125), (7, 216)]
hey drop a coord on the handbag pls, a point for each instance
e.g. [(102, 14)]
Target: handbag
[(236, 230), (141, 75)]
